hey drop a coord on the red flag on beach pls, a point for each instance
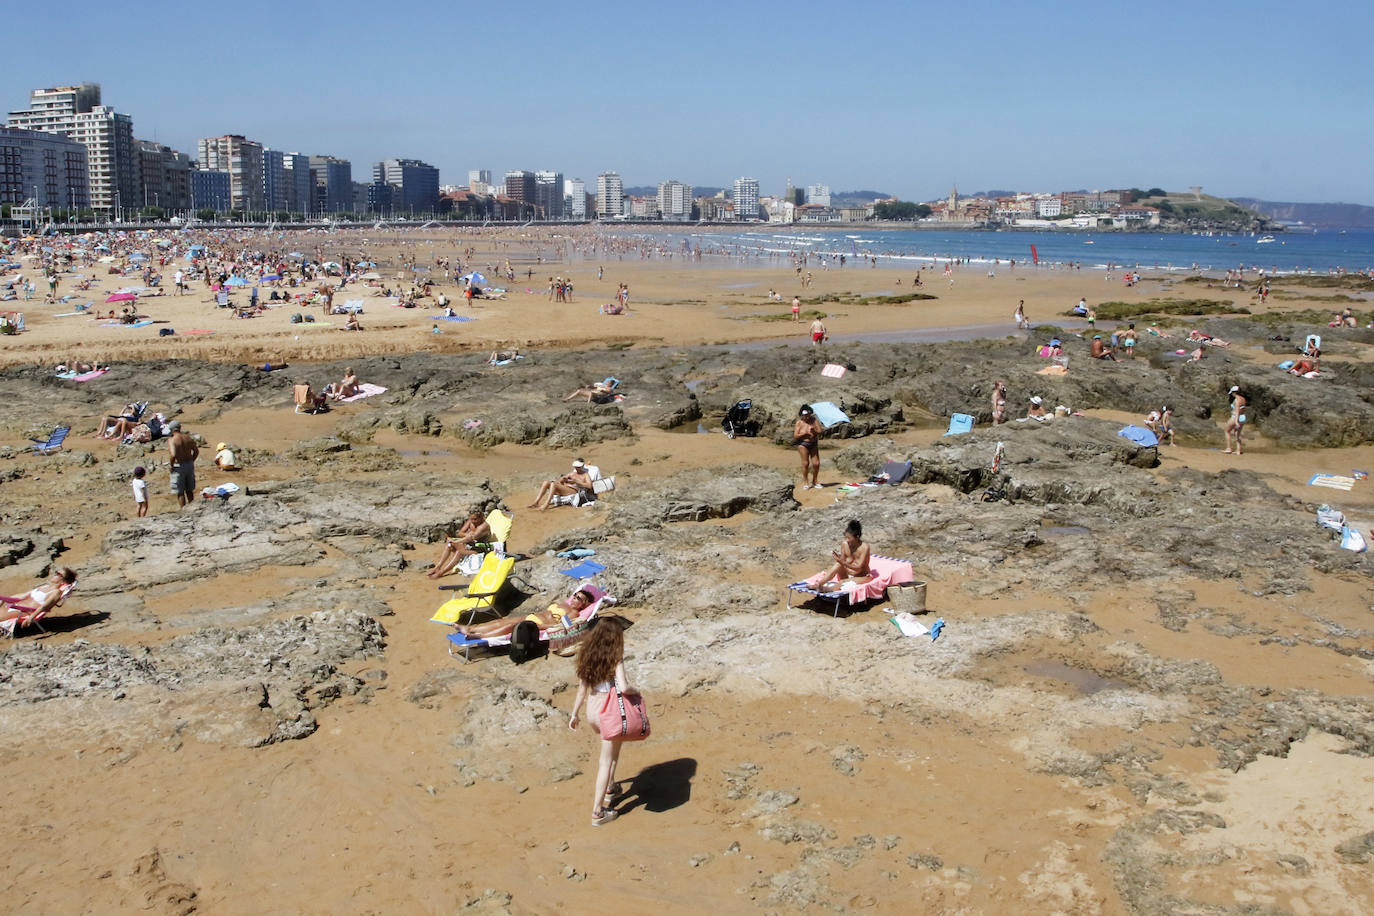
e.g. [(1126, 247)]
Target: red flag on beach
[(1035, 257)]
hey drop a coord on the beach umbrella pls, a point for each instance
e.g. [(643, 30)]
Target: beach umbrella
[(236, 281), (269, 278), (138, 256), (372, 275), (121, 297), (101, 248), (294, 254), (107, 259), (475, 277)]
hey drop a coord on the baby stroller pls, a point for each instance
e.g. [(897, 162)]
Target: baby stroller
[(737, 422)]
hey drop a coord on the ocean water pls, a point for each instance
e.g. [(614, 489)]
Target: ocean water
[(1320, 252)]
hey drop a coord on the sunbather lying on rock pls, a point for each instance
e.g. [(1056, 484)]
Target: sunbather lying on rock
[(41, 599), (571, 607), (851, 562), (599, 392)]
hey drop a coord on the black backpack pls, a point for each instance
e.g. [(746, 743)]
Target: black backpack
[(524, 642)]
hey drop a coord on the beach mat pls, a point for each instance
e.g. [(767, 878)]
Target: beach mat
[(829, 414), (87, 376), (1332, 481), (365, 390), (454, 318), (198, 331), (584, 570)]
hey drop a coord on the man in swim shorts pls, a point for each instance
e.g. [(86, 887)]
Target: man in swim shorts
[(183, 452)]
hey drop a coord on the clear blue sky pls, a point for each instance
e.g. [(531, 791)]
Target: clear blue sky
[(1260, 99)]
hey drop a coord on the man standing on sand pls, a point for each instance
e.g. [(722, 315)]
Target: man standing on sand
[(183, 451), (817, 332), (796, 308)]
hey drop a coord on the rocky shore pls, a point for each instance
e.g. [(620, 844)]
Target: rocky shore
[(1126, 633)]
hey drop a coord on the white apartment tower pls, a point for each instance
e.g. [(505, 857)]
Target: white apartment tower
[(746, 198), (243, 160), (111, 158), (674, 201), (577, 198), (610, 195), (818, 194)]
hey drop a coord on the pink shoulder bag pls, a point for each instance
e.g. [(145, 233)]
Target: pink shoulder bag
[(623, 718)]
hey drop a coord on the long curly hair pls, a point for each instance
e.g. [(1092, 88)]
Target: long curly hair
[(601, 651)]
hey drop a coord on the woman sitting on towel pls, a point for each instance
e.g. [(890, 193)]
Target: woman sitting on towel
[(345, 388), (571, 607), (851, 562), (474, 531)]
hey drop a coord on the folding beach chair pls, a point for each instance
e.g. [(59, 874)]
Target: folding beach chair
[(307, 401), (960, 423), (53, 443), (886, 571), (481, 591), (893, 472)]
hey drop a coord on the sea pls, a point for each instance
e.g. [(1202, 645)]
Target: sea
[(1321, 252)]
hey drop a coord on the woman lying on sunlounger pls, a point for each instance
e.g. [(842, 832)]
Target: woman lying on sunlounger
[(43, 598), (571, 607), (851, 562), (474, 531)]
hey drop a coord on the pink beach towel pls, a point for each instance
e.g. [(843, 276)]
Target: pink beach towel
[(87, 376), (886, 571), (365, 390)]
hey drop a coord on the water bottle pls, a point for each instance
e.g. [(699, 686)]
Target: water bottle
[(935, 629)]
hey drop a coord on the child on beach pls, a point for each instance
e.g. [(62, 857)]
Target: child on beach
[(140, 491)]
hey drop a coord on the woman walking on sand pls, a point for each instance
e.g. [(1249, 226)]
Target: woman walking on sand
[(601, 666), (806, 436), (1236, 422)]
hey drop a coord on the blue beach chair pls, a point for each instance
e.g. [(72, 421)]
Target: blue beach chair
[(960, 423), (53, 442)]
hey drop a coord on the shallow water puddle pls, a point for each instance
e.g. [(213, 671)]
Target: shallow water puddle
[(1086, 682), (1059, 531)]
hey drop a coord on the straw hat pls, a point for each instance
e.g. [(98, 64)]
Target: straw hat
[(221, 447)]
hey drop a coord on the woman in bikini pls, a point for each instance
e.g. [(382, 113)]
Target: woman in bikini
[(851, 561), (999, 402), (1236, 422), (39, 600), (571, 607), (806, 436)]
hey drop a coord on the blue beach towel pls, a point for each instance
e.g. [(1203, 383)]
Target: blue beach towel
[(584, 570), (576, 553), (454, 318), (829, 414), (1140, 435)]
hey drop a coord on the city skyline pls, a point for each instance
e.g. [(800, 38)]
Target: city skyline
[(882, 96)]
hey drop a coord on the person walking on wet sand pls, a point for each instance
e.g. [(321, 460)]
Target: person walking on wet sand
[(1235, 424), (1022, 323), (796, 308), (183, 452), (600, 667), (806, 436)]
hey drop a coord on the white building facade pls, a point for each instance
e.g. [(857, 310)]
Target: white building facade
[(610, 195), (746, 198), (111, 158), (674, 201)]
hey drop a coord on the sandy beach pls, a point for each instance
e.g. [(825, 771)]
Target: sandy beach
[(1153, 692)]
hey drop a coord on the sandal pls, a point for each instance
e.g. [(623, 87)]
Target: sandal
[(605, 816)]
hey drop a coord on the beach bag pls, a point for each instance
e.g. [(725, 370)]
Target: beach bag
[(142, 433), (623, 718), (524, 642)]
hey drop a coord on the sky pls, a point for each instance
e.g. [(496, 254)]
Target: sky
[(1244, 99)]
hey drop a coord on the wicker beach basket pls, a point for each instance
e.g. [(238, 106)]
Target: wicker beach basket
[(909, 597)]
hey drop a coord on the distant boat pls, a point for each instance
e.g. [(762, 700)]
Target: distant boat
[(1264, 240), (1089, 242)]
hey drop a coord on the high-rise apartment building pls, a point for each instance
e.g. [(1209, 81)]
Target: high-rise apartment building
[(576, 191), (165, 175), (333, 184), (273, 179), (300, 186), (548, 194), (415, 184), (610, 195), (210, 190), (818, 194), (243, 160), (75, 111), (746, 198), (479, 181), (47, 168), (520, 186), (674, 201)]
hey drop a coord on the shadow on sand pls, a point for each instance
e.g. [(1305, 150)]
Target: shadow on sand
[(662, 786)]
